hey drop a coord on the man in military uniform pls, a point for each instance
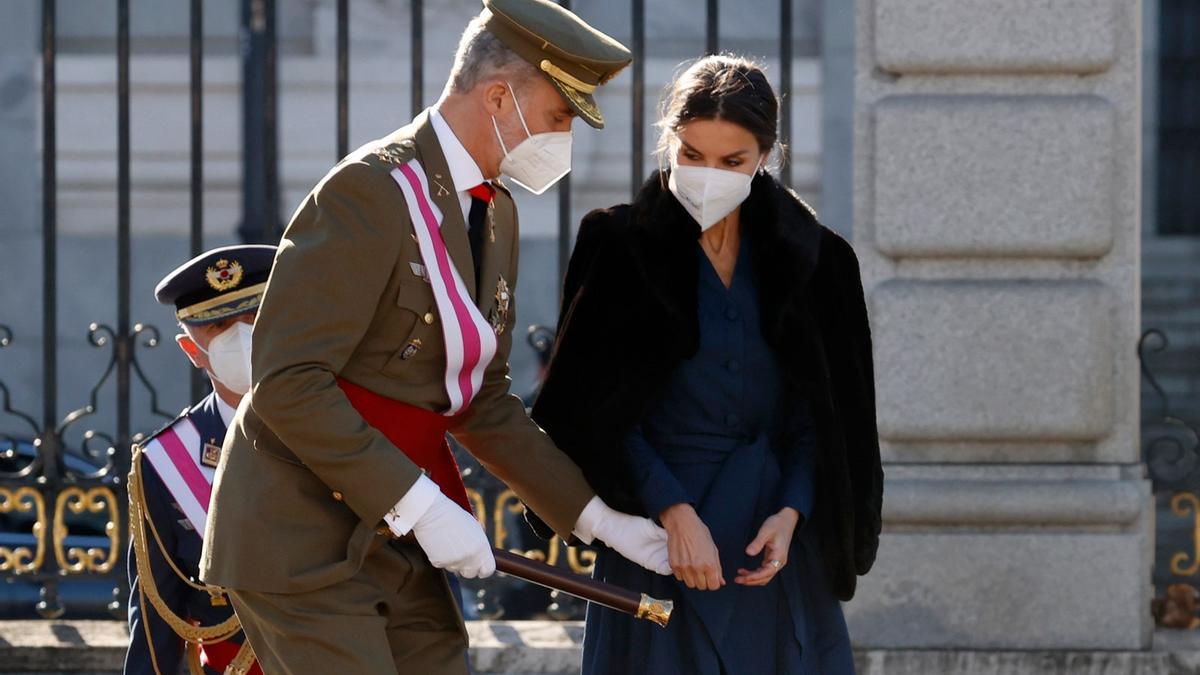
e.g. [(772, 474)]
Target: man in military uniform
[(216, 296), (386, 323)]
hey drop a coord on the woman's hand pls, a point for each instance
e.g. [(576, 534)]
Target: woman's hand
[(773, 541), (690, 548)]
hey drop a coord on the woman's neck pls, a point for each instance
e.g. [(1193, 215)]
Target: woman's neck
[(720, 243), (724, 235)]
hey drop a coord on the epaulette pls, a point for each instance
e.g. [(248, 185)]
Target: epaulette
[(392, 154), (178, 418)]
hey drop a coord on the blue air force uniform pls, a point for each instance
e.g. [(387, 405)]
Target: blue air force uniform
[(175, 468), (210, 417)]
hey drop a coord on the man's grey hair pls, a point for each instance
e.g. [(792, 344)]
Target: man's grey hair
[(481, 55)]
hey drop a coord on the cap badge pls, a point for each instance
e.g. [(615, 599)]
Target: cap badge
[(224, 275)]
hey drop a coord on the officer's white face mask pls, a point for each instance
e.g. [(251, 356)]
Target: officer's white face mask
[(709, 194), (229, 357), (540, 160)]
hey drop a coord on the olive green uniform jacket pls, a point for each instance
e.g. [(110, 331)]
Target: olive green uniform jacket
[(303, 481)]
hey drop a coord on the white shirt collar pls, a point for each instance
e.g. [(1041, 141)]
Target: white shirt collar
[(464, 172), (226, 410)]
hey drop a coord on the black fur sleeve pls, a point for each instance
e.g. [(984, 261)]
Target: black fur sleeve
[(852, 373)]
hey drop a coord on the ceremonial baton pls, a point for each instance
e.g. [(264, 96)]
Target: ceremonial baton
[(639, 605)]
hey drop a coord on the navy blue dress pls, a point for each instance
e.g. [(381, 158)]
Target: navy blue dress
[(705, 440)]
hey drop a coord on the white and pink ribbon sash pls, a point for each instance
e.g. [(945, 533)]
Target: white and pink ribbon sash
[(175, 456), (470, 341)]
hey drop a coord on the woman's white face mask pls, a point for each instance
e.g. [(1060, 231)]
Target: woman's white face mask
[(540, 160), (709, 194), (229, 357)]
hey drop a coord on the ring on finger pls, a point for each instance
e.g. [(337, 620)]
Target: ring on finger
[(775, 563)]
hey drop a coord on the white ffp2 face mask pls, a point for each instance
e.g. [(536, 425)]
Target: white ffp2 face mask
[(540, 160), (229, 357), (709, 194)]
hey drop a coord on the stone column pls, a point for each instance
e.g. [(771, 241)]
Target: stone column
[(996, 199)]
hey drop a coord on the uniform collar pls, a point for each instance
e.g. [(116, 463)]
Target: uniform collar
[(464, 172), (226, 410)]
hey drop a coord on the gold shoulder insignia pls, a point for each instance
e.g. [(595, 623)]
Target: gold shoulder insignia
[(395, 154)]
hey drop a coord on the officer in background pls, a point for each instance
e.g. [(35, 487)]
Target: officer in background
[(171, 614)]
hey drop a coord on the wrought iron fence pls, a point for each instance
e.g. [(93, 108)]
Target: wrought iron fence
[(1171, 450), (63, 508)]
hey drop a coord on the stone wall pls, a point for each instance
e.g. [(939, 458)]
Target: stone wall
[(997, 221)]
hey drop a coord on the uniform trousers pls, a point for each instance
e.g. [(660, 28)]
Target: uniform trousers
[(396, 615)]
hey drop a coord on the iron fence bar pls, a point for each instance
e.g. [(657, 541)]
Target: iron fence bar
[(418, 56), (638, 96), (270, 125), (124, 342), (196, 83), (48, 605), (123, 346), (785, 89), (712, 9), (343, 78), (49, 221), (260, 201), (564, 211)]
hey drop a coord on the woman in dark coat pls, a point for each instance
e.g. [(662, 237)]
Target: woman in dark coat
[(713, 371)]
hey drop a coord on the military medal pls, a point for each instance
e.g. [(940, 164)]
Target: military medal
[(211, 455), (410, 349), (491, 221), (499, 317)]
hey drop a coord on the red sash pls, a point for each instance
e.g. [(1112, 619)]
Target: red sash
[(420, 434), (218, 656)]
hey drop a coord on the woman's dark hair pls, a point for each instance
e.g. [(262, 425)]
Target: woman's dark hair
[(720, 87)]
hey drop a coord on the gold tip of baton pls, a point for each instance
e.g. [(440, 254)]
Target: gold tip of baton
[(653, 609)]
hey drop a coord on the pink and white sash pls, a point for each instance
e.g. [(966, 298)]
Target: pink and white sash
[(470, 340), (175, 455)]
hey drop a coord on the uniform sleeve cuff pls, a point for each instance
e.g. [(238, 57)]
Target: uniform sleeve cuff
[(592, 514), (405, 514)]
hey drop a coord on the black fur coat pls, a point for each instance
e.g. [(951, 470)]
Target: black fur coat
[(630, 316)]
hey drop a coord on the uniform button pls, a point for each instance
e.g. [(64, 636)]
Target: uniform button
[(337, 495), (383, 531), (734, 366), (732, 314), (428, 318), (732, 419)]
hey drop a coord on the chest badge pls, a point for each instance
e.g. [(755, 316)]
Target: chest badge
[(499, 317), (211, 455), (410, 349)]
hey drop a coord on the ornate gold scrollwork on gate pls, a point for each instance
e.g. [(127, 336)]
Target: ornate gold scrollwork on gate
[(1181, 504), (22, 559), (479, 506), (580, 562), (78, 560)]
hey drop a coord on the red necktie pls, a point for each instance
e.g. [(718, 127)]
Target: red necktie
[(484, 192)]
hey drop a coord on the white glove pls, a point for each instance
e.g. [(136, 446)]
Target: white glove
[(450, 537), (638, 539)]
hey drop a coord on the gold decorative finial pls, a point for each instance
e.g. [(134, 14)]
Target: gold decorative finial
[(653, 609)]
